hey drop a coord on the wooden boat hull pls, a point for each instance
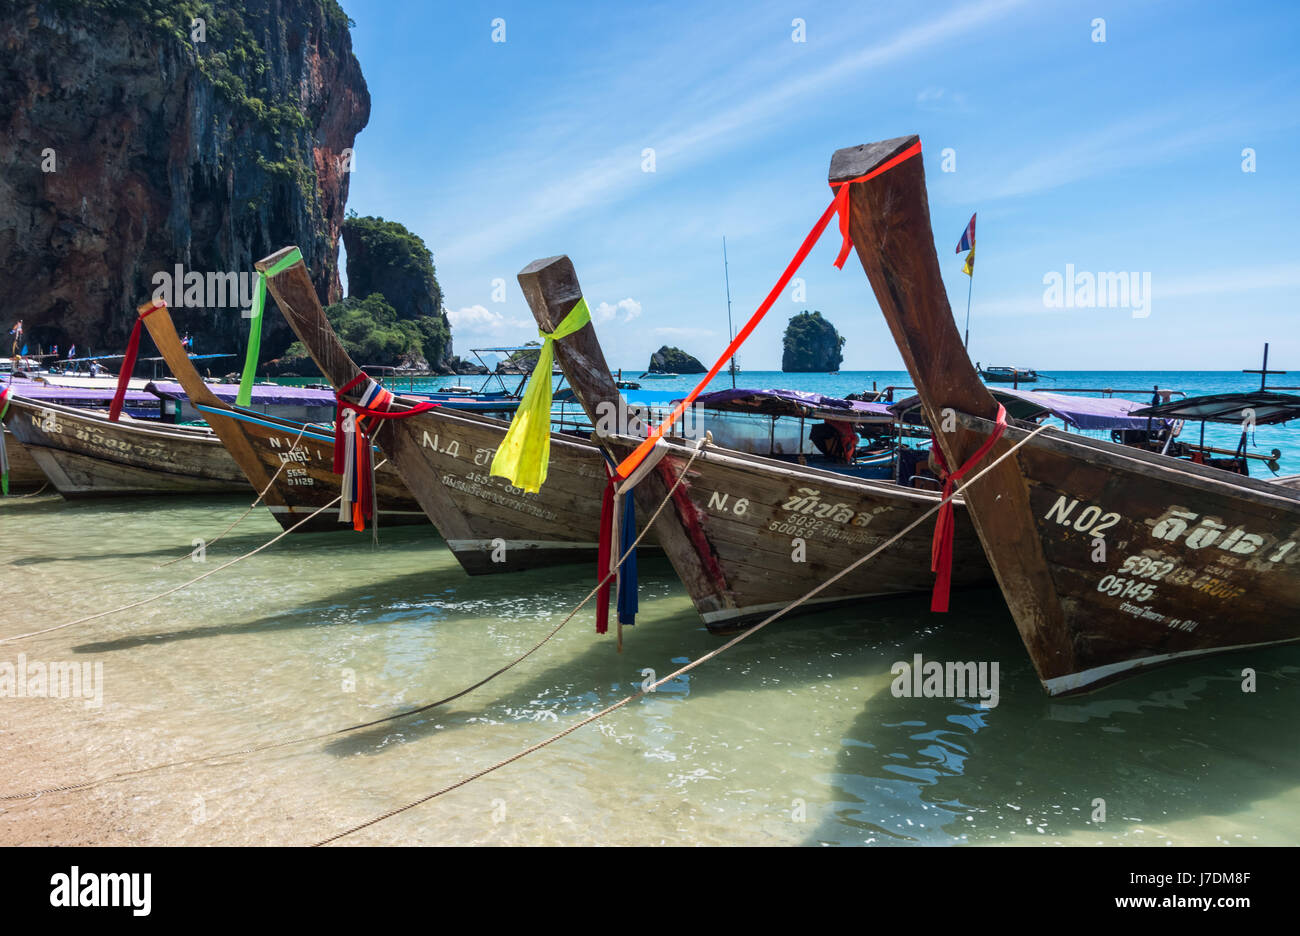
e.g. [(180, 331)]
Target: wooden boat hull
[(290, 464), (24, 473), (308, 481), (83, 454), (444, 457), (760, 533), (490, 525), (1150, 569), (1111, 559), (1007, 378), (748, 535)]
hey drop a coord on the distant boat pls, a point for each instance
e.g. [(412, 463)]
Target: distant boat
[(1008, 374), (655, 375)]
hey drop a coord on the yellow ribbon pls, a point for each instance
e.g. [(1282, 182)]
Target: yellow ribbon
[(526, 449)]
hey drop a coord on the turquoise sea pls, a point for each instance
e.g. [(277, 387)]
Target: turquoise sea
[(1286, 438), (793, 737)]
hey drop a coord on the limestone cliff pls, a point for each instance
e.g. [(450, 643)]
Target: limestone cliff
[(138, 135)]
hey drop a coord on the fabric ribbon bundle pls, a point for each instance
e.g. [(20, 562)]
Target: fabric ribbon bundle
[(353, 452), (944, 524), (617, 534), (523, 454), (4, 456)]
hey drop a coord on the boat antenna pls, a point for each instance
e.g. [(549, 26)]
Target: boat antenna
[(1263, 371), (726, 273)]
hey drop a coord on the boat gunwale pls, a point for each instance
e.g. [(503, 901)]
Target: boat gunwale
[(1181, 471)]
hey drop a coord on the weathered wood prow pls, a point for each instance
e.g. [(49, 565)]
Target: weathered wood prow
[(890, 227), (551, 287), (294, 293)]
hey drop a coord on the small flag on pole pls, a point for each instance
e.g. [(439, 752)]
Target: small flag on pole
[(967, 242), (967, 237)]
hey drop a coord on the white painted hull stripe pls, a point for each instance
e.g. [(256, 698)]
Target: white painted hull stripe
[(1086, 677)]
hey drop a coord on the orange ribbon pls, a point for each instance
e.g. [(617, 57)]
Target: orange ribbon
[(839, 205)]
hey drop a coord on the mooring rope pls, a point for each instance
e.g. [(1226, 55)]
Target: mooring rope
[(182, 585), (212, 542), (283, 462), (123, 775), (744, 635)]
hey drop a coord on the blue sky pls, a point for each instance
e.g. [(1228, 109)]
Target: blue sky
[(1122, 156)]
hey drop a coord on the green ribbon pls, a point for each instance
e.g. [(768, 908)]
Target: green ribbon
[(526, 449), (245, 395)]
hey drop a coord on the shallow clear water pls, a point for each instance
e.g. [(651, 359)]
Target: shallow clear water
[(792, 737)]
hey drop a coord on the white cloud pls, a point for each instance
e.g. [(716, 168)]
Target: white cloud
[(625, 310), (616, 174), (475, 317)]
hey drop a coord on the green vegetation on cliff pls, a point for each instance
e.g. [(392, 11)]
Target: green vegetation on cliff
[(372, 332), (393, 313), (811, 345)]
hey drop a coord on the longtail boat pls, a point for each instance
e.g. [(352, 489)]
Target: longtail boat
[(749, 534), (444, 457), (292, 462), (85, 454), (1112, 559), (1009, 374)]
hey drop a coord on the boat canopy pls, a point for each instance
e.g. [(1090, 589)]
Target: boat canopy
[(795, 403), (263, 394), (1270, 408), (42, 392), (1079, 412)]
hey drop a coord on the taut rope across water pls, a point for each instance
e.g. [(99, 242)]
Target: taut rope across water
[(694, 663)]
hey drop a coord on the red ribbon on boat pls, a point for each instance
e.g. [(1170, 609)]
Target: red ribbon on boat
[(839, 205), (128, 362), (841, 202), (941, 546), (361, 497)]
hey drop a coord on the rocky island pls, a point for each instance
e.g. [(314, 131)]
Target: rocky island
[(674, 361), (811, 345)]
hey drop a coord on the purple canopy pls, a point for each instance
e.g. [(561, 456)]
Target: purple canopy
[(794, 403), (1080, 412), (76, 396), (263, 394)]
